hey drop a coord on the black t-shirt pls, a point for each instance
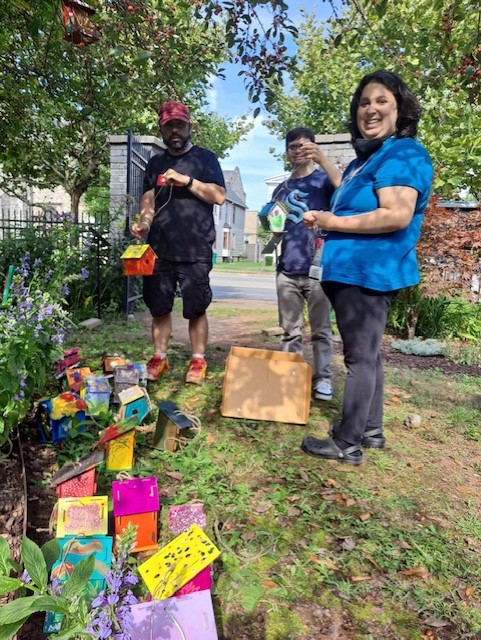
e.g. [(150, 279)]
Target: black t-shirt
[(183, 227)]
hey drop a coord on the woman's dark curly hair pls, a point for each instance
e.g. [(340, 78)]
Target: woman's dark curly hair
[(409, 109)]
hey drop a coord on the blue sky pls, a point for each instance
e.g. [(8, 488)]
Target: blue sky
[(229, 98)]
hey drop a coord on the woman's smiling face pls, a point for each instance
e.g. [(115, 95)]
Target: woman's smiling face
[(377, 112)]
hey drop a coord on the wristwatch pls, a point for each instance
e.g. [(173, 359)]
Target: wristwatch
[(189, 184)]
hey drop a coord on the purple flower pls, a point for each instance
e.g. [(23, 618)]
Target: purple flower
[(100, 600), (84, 273)]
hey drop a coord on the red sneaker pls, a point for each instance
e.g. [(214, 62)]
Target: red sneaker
[(197, 370), (156, 367)]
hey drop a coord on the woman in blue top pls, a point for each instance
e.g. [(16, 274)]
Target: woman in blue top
[(372, 228)]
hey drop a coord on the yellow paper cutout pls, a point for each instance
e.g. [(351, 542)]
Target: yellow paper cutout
[(178, 562)]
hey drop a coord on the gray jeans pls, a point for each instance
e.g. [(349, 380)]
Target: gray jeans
[(291, 293)]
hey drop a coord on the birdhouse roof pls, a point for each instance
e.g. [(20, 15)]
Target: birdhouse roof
[(74, 469), (174, 414), (114, 431), (136, 251)]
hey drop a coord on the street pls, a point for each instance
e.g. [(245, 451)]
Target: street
[(234, 286)]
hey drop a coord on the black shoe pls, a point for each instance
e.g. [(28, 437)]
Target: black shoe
[(373, 439), (328, 449)]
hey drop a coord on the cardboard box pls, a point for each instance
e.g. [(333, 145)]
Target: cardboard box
[(266, 385)]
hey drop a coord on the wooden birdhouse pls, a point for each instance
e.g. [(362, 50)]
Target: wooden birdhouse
[(139, 260), (110, 362), (77, 479), (82, 516), (136, 501), (118, 441), (173, 427), (78, 27), (96, 393), (71, 358), (75, 377), (56, 416), (134, 404)]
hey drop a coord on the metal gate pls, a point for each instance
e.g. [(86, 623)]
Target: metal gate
[(137, 158)]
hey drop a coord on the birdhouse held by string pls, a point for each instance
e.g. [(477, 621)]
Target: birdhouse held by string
[(77, 25), (139, 260)]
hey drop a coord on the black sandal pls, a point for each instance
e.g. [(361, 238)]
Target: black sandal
[(329, 450), (373, 439)]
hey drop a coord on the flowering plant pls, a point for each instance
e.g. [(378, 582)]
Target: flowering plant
[(107, 617), (33, 323)]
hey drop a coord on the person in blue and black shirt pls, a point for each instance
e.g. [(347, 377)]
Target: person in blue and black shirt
[(307, 187), (372, 225)]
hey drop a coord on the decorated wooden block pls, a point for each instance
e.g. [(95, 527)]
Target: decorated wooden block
[(135, 495), (182, 516), (134, 403), (118, 441), (178, 562), (201, 582), (96, 393), (111, 362), (77, 479), (82, 516), (162, 619), (71, 357), (147, 529), (139, 260), (75, 377), (172, 426)]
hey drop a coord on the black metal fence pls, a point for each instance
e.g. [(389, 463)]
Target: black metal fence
[(137, 158)]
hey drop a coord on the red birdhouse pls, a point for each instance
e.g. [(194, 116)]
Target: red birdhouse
[(77, 26), (139, 260)]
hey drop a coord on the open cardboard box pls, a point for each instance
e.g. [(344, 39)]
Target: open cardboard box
[(260, 384)]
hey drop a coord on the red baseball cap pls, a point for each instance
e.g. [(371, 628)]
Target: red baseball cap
[(173, 111)]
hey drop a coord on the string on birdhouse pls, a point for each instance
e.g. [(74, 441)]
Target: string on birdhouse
[(195, 428), (77, 26)]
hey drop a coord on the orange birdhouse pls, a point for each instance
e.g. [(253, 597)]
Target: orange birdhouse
[(77, 26), (139, 260)]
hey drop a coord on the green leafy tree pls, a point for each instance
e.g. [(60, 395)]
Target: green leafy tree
[(59, 102), (432, 44)]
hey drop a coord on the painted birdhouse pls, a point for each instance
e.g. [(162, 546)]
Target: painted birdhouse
[(136, 501), (124, 377), (76, 479), (118, 441), (82, 516), (71, 357), (139, 260), (75, 377), (56, 416), (77, 25), (273, 216), (110, 362), (134, 404), (96, 393), (173, 427)]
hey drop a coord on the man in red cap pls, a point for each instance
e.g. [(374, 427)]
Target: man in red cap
[(181, 186)]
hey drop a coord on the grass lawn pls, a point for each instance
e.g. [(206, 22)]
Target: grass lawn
[(243, 267), (316, 550)]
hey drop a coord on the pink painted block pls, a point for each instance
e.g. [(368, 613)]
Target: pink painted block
[(138, 495), (182, 516), (201, 582)]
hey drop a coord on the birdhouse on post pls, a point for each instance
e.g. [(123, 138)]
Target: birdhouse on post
[(139, 260), (77, 25), (173, 427)]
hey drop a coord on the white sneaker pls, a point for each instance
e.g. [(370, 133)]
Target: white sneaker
[(322, 389)]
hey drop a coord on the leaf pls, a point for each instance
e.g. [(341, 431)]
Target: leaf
[(360, 578), (23, 607), (176, 475), (269, 584), (142, 56), (416, 571), (34, 563), (4, 556), (9, 584), (79, 578), (8, 631), (51, 552), (364, 516)]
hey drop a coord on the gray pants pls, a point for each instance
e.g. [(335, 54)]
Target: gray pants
[(291, 293)]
